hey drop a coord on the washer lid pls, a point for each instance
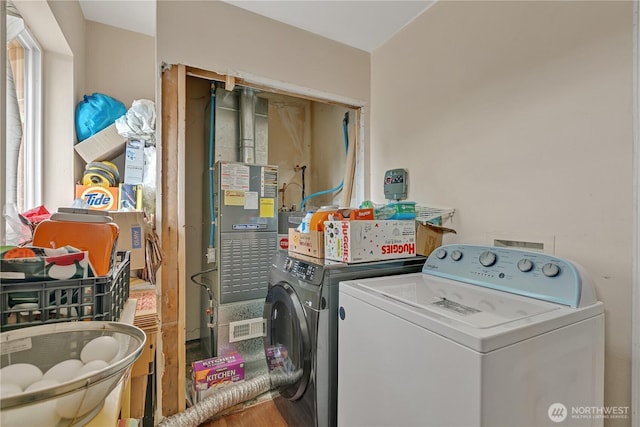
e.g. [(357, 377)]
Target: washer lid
[(469, 305), (479, 318)]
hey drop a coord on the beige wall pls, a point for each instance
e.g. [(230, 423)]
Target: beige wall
[(219, 37), (59, 28), (518, 114), (120, 63)]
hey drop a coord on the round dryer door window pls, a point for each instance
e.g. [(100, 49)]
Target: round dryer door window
[(287, 344)]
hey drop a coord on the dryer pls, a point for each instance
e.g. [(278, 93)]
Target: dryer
[(301, 311), (483, 336)]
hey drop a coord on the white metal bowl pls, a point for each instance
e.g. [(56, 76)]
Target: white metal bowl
[(83, 397)]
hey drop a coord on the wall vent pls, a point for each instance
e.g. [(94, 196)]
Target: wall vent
[(247, 329)]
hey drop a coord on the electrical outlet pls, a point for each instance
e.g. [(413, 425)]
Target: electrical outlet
[(211, 255)]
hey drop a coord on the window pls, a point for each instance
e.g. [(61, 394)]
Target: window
[(23, 171)]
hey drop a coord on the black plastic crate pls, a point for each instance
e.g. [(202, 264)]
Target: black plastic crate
[(95, 298)]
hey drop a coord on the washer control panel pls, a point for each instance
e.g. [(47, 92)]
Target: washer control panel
[(531, 274), (300, 269)]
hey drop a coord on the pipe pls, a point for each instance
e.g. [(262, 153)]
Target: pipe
[(229, 396), (247, 125), (212, 132)]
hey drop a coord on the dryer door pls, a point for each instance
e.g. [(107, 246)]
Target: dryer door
[(287, 343)]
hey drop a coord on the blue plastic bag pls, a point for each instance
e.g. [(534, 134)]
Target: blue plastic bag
[(95, 113)]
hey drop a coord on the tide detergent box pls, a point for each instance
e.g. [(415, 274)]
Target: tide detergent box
[(209, 374), (99, 198)]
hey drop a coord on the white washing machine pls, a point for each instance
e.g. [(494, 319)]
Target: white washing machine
[(484, 336)]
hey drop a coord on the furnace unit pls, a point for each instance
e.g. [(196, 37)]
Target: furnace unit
[(246, 231)]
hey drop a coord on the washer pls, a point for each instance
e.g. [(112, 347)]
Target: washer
[(301, 310), (483, 336)]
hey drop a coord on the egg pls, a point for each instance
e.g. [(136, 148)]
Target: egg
[(20, 374), (41, 414), (101, 348), (68, 406), (43, 383), (64, 371), (83, 401), (91, 367), (7, 389), (95, 395)]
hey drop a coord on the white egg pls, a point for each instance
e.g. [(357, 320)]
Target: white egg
[(64, 371), (93, 366), (7, 389), (102, 348), (81, 402), (42, 414), (96, 395), (43, 383), (68, 406), (84, 401), (20, 374)]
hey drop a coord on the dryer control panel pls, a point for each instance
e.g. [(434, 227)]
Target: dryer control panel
[(532, 274)]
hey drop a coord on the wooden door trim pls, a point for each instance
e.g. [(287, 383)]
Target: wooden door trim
[(172, 286)]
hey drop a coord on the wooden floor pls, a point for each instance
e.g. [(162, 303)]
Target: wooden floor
[(263, 414)]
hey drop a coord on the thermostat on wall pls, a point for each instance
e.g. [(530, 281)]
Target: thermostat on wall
[(395, 184)]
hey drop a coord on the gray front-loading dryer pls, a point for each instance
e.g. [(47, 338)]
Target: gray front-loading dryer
[(301, 343)]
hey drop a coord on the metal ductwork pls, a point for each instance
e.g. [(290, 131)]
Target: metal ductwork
[(241, 126), (247, 125)]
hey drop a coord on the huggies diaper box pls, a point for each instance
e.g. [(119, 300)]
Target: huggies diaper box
[(362, 241), (209, 374)]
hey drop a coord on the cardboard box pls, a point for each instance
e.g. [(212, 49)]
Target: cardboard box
[(132, 235), (278, 359), (429, 237), (309, 244), (209, 374), (144, 364), (138, 396), (130, 197), (104, 145), (360, 241), (134, 162), (98, 198)]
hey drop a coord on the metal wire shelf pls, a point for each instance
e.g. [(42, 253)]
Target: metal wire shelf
[(430, 213)]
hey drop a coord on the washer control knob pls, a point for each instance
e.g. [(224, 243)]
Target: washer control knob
[(550, 269), (441, 253), (288, 264), (456, 255), (488, 258), (525, 265)]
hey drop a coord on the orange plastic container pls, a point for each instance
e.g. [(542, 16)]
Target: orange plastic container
[(319, 217), (98, 238)]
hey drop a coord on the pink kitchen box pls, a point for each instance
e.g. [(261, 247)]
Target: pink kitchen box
[(209, 374), (369, 240)]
